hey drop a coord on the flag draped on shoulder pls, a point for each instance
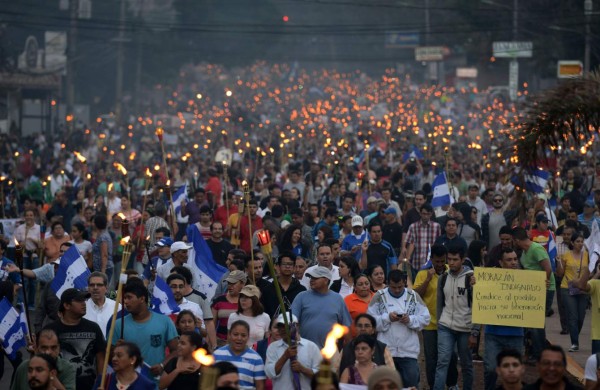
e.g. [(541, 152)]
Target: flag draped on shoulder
[(552, 251), (206, 272), (441, 191), (12, 329), (72, 272), (163, 300)]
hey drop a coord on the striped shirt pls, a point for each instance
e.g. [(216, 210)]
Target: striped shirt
[(423, 236), (249, 364), (223, 308)]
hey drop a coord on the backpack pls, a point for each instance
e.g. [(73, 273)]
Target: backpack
[(468, 288)]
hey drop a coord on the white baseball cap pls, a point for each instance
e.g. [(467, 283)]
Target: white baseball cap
[(178, 246)]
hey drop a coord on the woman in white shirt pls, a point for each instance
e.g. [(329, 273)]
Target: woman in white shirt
[(83, 246), (251, 310)]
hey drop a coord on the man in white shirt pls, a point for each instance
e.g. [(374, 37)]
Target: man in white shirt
[(324, 259), (176, 283), (474, 200), (303, 357), (99, 308), (179, 256)]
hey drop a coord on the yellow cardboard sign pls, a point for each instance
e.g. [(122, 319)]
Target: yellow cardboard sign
[(509, 297)]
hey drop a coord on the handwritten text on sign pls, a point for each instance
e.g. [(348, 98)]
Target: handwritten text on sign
[(509, 297)]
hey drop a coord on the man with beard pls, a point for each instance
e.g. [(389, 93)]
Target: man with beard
[(41, 372), (81, 340), (47, 343)]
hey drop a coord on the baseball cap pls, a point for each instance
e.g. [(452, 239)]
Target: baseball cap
[(250, 291), (390, 210), (589, 203), (178, 246), (166, 241), (73, 294), (280, 319), (320, 272), (357, 221), (541, 218), (542, 196), (236, 276)]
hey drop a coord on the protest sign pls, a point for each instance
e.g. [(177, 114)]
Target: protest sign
[(509, 297)]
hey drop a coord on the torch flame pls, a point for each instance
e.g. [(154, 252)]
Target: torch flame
[(16, 242), (124, 241), (336, 333), (80, 157), (122, 216), (121, 168), (110, 187), (168, 182), (203, 357), (148, 173)]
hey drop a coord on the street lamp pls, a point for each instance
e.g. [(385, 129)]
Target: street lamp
[(587, 11)]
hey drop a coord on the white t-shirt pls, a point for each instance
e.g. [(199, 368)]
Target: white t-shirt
[(590, 369), (83, 247), (193, 307), (259, 326)]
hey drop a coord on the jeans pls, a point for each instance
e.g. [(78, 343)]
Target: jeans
[(447, 340), (494, 344), (408, 368), (29, 285), (595, 346), (575, 305), (430, 347), (538, 336)]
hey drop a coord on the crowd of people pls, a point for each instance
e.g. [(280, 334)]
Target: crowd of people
[(339, 169)]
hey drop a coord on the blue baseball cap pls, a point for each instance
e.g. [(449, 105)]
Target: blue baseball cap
[(167, 241)]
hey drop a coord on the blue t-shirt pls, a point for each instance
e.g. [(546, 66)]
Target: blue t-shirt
[(351, 240), (316, 322), (151, 336), (14, 277)]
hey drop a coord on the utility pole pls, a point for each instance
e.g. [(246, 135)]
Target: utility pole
[(120, 61), (71, 53), (513, 70), (587, 9)]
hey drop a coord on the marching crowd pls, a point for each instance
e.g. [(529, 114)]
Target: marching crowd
[(358, 244)]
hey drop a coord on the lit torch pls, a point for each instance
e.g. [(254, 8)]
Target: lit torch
[(209, 374), (325, 374)]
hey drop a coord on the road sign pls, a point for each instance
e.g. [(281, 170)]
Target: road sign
[(512, 49), (569, 69), (466, 73), (430, 53), (401, 40)]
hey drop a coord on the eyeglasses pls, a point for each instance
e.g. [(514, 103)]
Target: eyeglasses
[(96, 285)]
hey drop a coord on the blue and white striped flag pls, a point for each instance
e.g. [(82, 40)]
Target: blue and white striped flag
[(180, 195), (535, 180), (413, 152), (72, 272), (441, 191), (12, 329), (552, 251), (163, 300), (206, 272)]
